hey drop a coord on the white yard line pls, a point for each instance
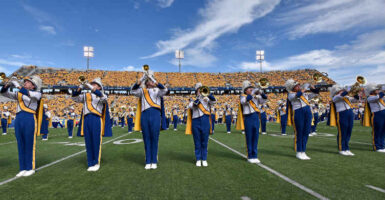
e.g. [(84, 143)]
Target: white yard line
[(285, 178), (375, 188), (7, 143), (60, 160)]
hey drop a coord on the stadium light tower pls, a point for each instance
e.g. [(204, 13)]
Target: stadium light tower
[(260, 57), (88, 53), (179, 54)]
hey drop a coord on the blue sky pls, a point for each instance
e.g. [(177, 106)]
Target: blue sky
[(343, 38)]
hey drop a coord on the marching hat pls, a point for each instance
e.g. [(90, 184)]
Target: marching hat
[(98, 81), (246, 84), (198, 85), (290, 84), (334, 89), (35, 80), (370, 87)]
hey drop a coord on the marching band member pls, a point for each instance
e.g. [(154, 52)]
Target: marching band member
[(95, 120), (248, 116), (150, 115), (220, 116), (199, 123), (168, 119), (122, 116), (5, 115), (130, 119), (45, 122), (212, 120), (341, 114), (71, 116), (299, 114), (175, 117), (263, 107), (28, 120), (228, 115), (282, 116), (374, 115), (315, 112)]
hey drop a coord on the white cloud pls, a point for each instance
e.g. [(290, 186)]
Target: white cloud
[(131, 68), (219, 17), (48, 29), (165, 3), (365, 56), (333, 16), (11, 63)]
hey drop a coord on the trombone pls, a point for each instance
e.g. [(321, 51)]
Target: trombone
[(146, 69)]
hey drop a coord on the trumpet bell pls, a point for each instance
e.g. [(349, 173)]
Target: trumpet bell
[(204, 90), (146, 68), (82, 79), (361, 80), (264, 83), (2, 76)]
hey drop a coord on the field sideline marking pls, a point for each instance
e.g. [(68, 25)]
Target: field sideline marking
[(287, 179), (375, 188), (7, 143), (60, 160)]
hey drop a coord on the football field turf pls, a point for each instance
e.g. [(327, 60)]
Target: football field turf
[(61, 168)]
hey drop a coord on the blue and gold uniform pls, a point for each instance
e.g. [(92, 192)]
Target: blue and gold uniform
[(374, 116), (175, 118), (228, 116), (28, 121), (45, 122), (299, 115), (150, 118), (282, 117), (71, 116), (95, 122), (342, 116), (130, 120), (199, 124), (249, 118), (5, 120), (263, 115)]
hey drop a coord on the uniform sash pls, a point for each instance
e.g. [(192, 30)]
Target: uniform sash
[(304, 100), (332, 115), (348, 102), (149, 100), (240, 122)]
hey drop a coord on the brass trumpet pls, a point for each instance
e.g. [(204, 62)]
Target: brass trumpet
[(317, 77), (205, 91), (146, 69), (2, 76), (264, 83), (82, 79), (357, 87)]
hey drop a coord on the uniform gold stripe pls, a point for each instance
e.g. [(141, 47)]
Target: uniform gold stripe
[(22, 105), (148, 98), (90, 106)]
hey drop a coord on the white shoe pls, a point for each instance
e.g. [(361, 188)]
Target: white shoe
[(257, 161), (148, 166), (263, 133), (21, 173), (204, 163), (305, 156), (252, 160), (228, 132), (243, 132), (198, 163), (94, 168), (314, 133), (344, 153), (300, 156), (29, 173), (70, 137), (154, 166), (311, 134), (44, 139), (284, 134), (349, 153), (4, 133), (175, 129), (381, 150)]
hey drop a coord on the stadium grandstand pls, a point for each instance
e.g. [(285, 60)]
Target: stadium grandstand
[(58, 81)]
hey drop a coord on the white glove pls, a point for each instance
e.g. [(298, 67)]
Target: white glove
[(152, 79), (81, 86), (87, 85), (15, 83), (206, 99), (144, 77)]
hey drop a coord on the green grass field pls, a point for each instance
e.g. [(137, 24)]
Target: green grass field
[(228, 176)]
